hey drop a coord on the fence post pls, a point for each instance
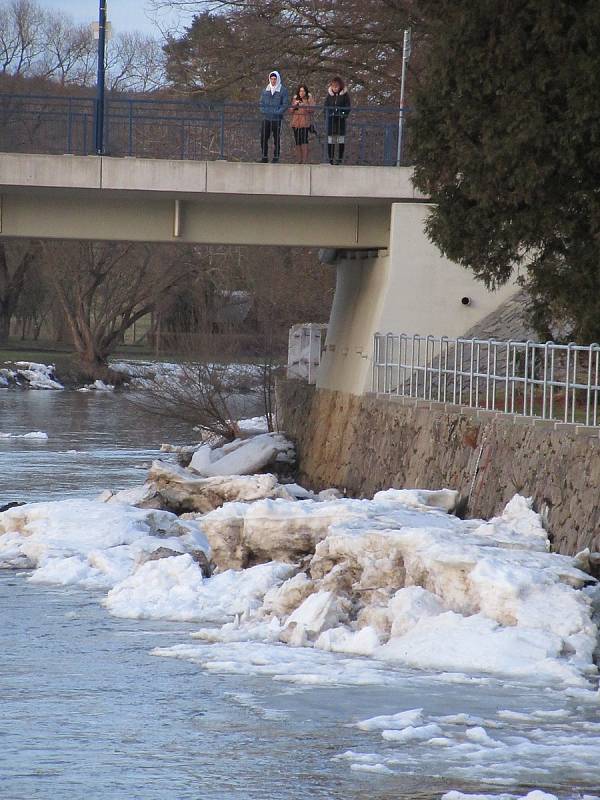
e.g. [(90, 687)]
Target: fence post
[(525, 377), (130, 121), (374, 385), (595, 417), (545, 381), (69, 126), (222, 133), (567, 382), (589, 385), (85, 127), (574, 389)]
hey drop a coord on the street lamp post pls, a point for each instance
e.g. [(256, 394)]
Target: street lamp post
[(100, 79), (405, 56)]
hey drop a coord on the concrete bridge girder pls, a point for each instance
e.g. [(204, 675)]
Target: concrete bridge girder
[(210, 202)]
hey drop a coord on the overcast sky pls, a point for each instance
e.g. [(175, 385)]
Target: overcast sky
[(125, 15)]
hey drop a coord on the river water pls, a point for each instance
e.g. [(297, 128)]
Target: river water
[(87, 712)]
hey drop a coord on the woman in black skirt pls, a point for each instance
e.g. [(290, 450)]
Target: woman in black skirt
[(337, 108)]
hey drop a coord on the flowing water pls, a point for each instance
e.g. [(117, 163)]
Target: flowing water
[(87, 712)]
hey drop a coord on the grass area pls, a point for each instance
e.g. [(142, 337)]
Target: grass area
[(63, 355), (50, 352)]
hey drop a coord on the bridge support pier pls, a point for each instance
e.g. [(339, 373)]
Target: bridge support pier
[(408, 288)]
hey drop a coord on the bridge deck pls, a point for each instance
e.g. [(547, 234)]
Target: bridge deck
[(88, 197)]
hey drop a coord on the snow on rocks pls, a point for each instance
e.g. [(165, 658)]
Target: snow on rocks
[(253, 425), (399, 581), (392, 577), (173, 588), (90, 543), (97, 386), (280, 529), (319, 612), (242, 456), (209, 476), (29, 375), (181, 490), (395, 578)]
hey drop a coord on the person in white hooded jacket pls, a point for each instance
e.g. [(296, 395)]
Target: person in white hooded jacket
[(274, 102)]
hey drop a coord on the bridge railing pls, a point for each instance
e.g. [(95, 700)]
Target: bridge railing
[(546, 381), (186, 129)]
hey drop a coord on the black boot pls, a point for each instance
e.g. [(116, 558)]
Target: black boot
[(340, 157), (331, 152)]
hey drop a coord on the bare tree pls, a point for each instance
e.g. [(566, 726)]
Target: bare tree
[(21, 24), (104, 288), (69, 52), (206, 386), (48, 44), (16, 259), (308, 39), (36, 303), (135, 62)]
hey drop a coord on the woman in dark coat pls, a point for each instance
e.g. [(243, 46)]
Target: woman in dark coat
[(337, 108)]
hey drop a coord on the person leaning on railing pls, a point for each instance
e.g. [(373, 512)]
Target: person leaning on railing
[(337, 108), (274, 102), (302, 109)]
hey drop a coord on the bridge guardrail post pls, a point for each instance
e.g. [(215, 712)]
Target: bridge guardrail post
[(222, 134), (130, 126), (70, 126)]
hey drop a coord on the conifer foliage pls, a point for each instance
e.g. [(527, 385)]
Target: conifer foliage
[(507, 144)]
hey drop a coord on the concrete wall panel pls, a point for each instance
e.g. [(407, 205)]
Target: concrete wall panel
[(376, 182), (30, 171), (153, 175), (224, 177)]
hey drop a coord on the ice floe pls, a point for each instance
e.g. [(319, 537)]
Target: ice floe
[(90, 543), (40, 435), (29, 375)]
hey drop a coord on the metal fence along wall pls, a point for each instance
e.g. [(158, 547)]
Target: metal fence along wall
[(548, 381), (186, 129)]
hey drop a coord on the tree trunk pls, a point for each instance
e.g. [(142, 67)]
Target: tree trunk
[(5, 317)]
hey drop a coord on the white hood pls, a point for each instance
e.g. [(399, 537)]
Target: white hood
[(277, 87)]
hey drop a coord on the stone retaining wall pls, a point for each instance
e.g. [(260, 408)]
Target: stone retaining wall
[(361, 444)]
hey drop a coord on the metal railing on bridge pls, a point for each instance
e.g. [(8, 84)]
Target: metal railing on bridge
[(546, 381), (182, 129)]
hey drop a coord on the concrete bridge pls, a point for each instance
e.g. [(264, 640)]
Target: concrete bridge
[(389, 276)]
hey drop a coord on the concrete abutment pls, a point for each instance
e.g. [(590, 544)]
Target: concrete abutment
[(409, 287)]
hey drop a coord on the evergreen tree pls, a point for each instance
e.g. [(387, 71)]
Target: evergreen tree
[(506, 140)]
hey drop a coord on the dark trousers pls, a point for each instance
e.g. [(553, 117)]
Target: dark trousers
[(270, 127), (332, 156)]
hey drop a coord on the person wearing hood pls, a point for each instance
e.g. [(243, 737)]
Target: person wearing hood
[(274, 102), (337, 108)]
